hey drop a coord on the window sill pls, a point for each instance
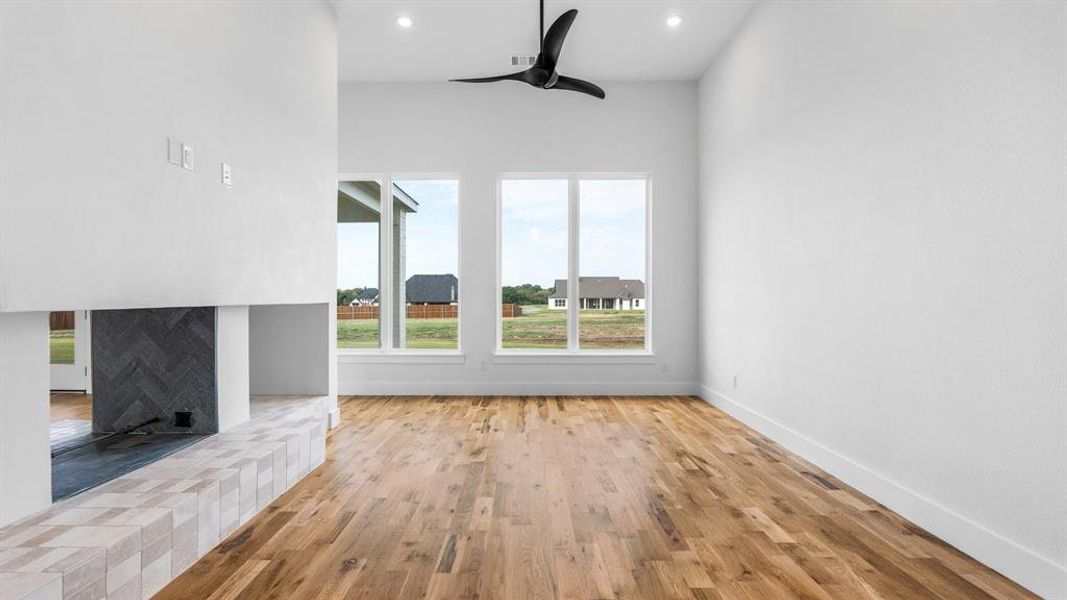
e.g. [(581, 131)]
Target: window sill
[(564, 357), (438, 357)]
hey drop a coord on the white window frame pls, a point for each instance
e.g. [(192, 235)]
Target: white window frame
[(385, 353), (573, 353)]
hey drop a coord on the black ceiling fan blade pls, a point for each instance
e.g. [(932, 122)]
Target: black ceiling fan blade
[(552, 45), (572, 84), (522, 76)]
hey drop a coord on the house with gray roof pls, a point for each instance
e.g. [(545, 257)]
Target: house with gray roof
[(601, 293), (433, 289), (368, 297)]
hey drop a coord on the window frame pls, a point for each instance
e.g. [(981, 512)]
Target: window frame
[(573, 352), (385, 353)]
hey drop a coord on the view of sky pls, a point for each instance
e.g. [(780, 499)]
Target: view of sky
[(533, 236), (534, 230), (432, 237)]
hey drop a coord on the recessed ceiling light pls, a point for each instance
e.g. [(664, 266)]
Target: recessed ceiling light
[(404, 22), (674, 21)]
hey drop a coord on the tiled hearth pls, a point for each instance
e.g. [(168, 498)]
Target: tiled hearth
[(130, 537)]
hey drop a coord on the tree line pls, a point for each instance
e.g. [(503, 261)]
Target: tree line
[(345, 297), (525, 294)]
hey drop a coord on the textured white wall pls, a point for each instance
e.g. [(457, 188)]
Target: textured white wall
[(25, 466), (91, 213), (882, 246), (480, 132)]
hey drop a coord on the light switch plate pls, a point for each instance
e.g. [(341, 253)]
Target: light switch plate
[(187, 157), (226, 178), (174, 151)]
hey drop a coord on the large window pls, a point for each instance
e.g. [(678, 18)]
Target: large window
[(573, 264), (398, 264), (359, 230), (533, 261), (611, 272)]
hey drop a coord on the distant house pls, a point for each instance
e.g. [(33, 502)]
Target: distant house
[(368, 297), (601, 293), (432, 289)]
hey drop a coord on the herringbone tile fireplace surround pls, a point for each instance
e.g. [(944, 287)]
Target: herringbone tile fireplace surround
[(154, 363)]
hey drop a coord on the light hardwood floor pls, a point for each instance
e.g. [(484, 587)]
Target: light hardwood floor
[(71, 406), (573, 497)]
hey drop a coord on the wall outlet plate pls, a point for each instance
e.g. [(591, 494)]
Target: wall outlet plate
[(174, 151), (187, 157), (226, 176)]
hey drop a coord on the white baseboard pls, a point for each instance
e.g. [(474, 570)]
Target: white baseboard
[(334, 418), (535, 388), (1029, 569)]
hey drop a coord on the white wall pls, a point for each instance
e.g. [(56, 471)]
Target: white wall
[(91, 213), (289, 349), (232, 365), (25, 467), (882, 246), (482, 131)]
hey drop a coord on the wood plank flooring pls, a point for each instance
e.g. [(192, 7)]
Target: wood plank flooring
[(70, 406), (573, 497)]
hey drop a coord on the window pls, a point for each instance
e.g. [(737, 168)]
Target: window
[(359, 221), (533, 263), (404, 266), (612, 263), (573, 264), (61, 337)]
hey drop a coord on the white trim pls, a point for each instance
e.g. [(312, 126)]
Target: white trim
[(440, 357), (1028, 568), (385, 266), (497, 292), (565, 357), (525, 388), (574, 228), (334, 418), (648, 265), (579, 174)]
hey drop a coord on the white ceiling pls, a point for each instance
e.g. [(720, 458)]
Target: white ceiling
[(611, 40)]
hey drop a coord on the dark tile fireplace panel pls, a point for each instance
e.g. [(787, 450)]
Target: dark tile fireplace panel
[(154, 363)]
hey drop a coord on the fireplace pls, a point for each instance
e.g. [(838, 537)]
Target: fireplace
[(154, 392), (154, 369)]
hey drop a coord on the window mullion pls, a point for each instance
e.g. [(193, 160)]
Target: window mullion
[(573, 229), (385, 292)]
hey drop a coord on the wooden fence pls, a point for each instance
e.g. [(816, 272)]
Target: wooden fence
[(350, 313), (417, 311), (61, 320)]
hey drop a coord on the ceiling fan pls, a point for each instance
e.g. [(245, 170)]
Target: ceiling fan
[(543, 73)]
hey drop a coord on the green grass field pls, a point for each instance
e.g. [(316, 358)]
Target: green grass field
[(541, 328), (422, 334), (62, 347), (537, 328)]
